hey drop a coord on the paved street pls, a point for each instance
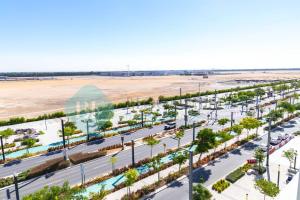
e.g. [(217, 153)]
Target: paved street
[(221, 167)]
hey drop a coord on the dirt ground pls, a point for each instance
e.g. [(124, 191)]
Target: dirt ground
[(35, 97)]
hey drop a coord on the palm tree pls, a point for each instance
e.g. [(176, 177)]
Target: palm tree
[(131, 176), (178, 135), (206, 140), (156, 164), (29, 143), (151, 141), (201, 193), (223, 121), (99, 195), (6, 133), (179, 158), (113, 161), (260, 157)]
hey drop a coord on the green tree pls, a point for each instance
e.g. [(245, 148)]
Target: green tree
[(99, 195), (289, 108), (103, 126), (238, 129), (113, 161), (260, 157), (259, 92), (131, 176), (206, 140), (156, 164), (249, 123), (223, 121), (201, 193), (267, 188), (290, 154), (56, 192), (29, 143), (179, 158), (274, 115), (151, 141), (178, 135), (6, 133), (225, 136), (69, 131)]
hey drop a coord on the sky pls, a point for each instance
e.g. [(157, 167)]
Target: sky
[(98, 35)]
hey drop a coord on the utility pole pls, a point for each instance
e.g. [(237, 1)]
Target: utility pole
[(122, 141), (63, 132), (132, 153), (142, 113), (231, 120), (185, 113), (175, 113), (257, 108), (216, 106), (180, 95), (278, 176), (194, 127), (82, 174), (87, 131), (2, 148), (191, 175), (16, 187), (268, 144)]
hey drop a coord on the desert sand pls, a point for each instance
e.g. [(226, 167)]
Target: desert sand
[(35, 97)]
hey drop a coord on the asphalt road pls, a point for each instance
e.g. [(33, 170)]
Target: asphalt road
[(98, 166), (219, 168)]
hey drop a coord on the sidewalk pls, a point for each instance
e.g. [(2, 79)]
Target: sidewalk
[(164, 173)]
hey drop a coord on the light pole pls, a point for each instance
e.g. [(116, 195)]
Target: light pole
[(63, 132), (278, 176), (180, 95), (257, 108), (82, 174), (246, 196), (16, 186), (191, 175), (132, 152), (268, 144), (142, 113), (295, 159), (87, 130), (122, 141), (2, 148), (185, 113), (194, 127), (231, 121)]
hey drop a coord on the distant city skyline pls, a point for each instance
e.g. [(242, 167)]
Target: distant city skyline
[(96, 35)]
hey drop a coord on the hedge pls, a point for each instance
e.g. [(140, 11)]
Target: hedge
[(83, 157), (235, 175), (221, 185), (47, 167)]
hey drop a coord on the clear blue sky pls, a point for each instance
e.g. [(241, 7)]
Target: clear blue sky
[(65, 35)]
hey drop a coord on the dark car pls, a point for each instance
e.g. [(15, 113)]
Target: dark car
[(170, 125)]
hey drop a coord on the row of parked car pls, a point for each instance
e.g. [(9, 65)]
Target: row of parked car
[(275, 141)]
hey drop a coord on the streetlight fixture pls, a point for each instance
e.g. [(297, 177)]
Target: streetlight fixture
[(278, 176)]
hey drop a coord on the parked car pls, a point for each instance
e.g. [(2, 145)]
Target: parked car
[(286, 136), (275, 141), (263, 147), (170, 125)]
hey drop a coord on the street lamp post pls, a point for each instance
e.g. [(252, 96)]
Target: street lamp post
[(231, 120), (257, 108), (2, 148), (142, 113), (132, 152), (268, 144), (278, 176), (122, 141), (82, 174), (194, 127), (16, 187), (185, 113), (191, 175), (63, 132), (295, 160), (180, 95), (87, 131)]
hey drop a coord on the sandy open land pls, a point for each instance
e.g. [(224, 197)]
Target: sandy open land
[(35, 97)]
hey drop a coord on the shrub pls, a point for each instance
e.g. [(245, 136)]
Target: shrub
[(235, 175), (221, 185), (83, 157), (260, 170), (48, 166)]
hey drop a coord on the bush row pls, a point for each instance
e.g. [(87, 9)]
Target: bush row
[(221, 185), (80, 157)]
